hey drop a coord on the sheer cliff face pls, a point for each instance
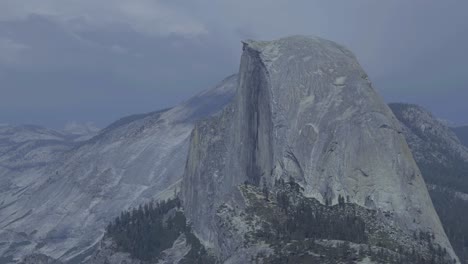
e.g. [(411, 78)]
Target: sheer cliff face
[(305, 109)]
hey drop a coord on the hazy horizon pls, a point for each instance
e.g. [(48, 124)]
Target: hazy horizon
[(97, 61)]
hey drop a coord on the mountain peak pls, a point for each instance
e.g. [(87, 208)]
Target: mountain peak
[(306, 48), (305, 112)]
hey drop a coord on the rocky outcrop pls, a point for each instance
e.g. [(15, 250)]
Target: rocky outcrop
[(304, 110)]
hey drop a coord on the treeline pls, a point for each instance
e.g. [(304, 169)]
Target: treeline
[(311, 220), (307, 221), (145, 232)]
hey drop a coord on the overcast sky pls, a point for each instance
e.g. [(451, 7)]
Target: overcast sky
[(99, 60)]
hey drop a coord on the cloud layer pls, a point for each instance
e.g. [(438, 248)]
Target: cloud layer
[(96, 60), (145, 16)]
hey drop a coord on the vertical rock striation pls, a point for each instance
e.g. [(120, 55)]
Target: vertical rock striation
[(305, 110)]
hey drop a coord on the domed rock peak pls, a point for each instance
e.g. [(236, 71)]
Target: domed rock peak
[(304, 110)]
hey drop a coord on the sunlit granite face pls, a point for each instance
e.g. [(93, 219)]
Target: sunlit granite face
[(304, 109)]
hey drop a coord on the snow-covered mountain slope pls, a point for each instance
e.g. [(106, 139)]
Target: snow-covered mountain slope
[(17, 134), (26, 146), (25, 151), (29, 146), (304, 112), (61, 209)]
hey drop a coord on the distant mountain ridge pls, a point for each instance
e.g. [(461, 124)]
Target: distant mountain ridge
[(443, 161), (36, 144), (30, 145)]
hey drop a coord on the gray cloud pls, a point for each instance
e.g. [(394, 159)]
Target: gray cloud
[(97, 60), (145, 16), (11, 51)]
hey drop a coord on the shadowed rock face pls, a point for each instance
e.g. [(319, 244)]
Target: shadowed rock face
[(304, 109)]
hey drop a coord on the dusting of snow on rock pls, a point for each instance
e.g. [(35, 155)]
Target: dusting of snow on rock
[(177, 252), (340, 81)]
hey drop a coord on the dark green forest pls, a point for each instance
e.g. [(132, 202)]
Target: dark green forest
[(145, 232), (292, 229), (311, 221), (299, 224)]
